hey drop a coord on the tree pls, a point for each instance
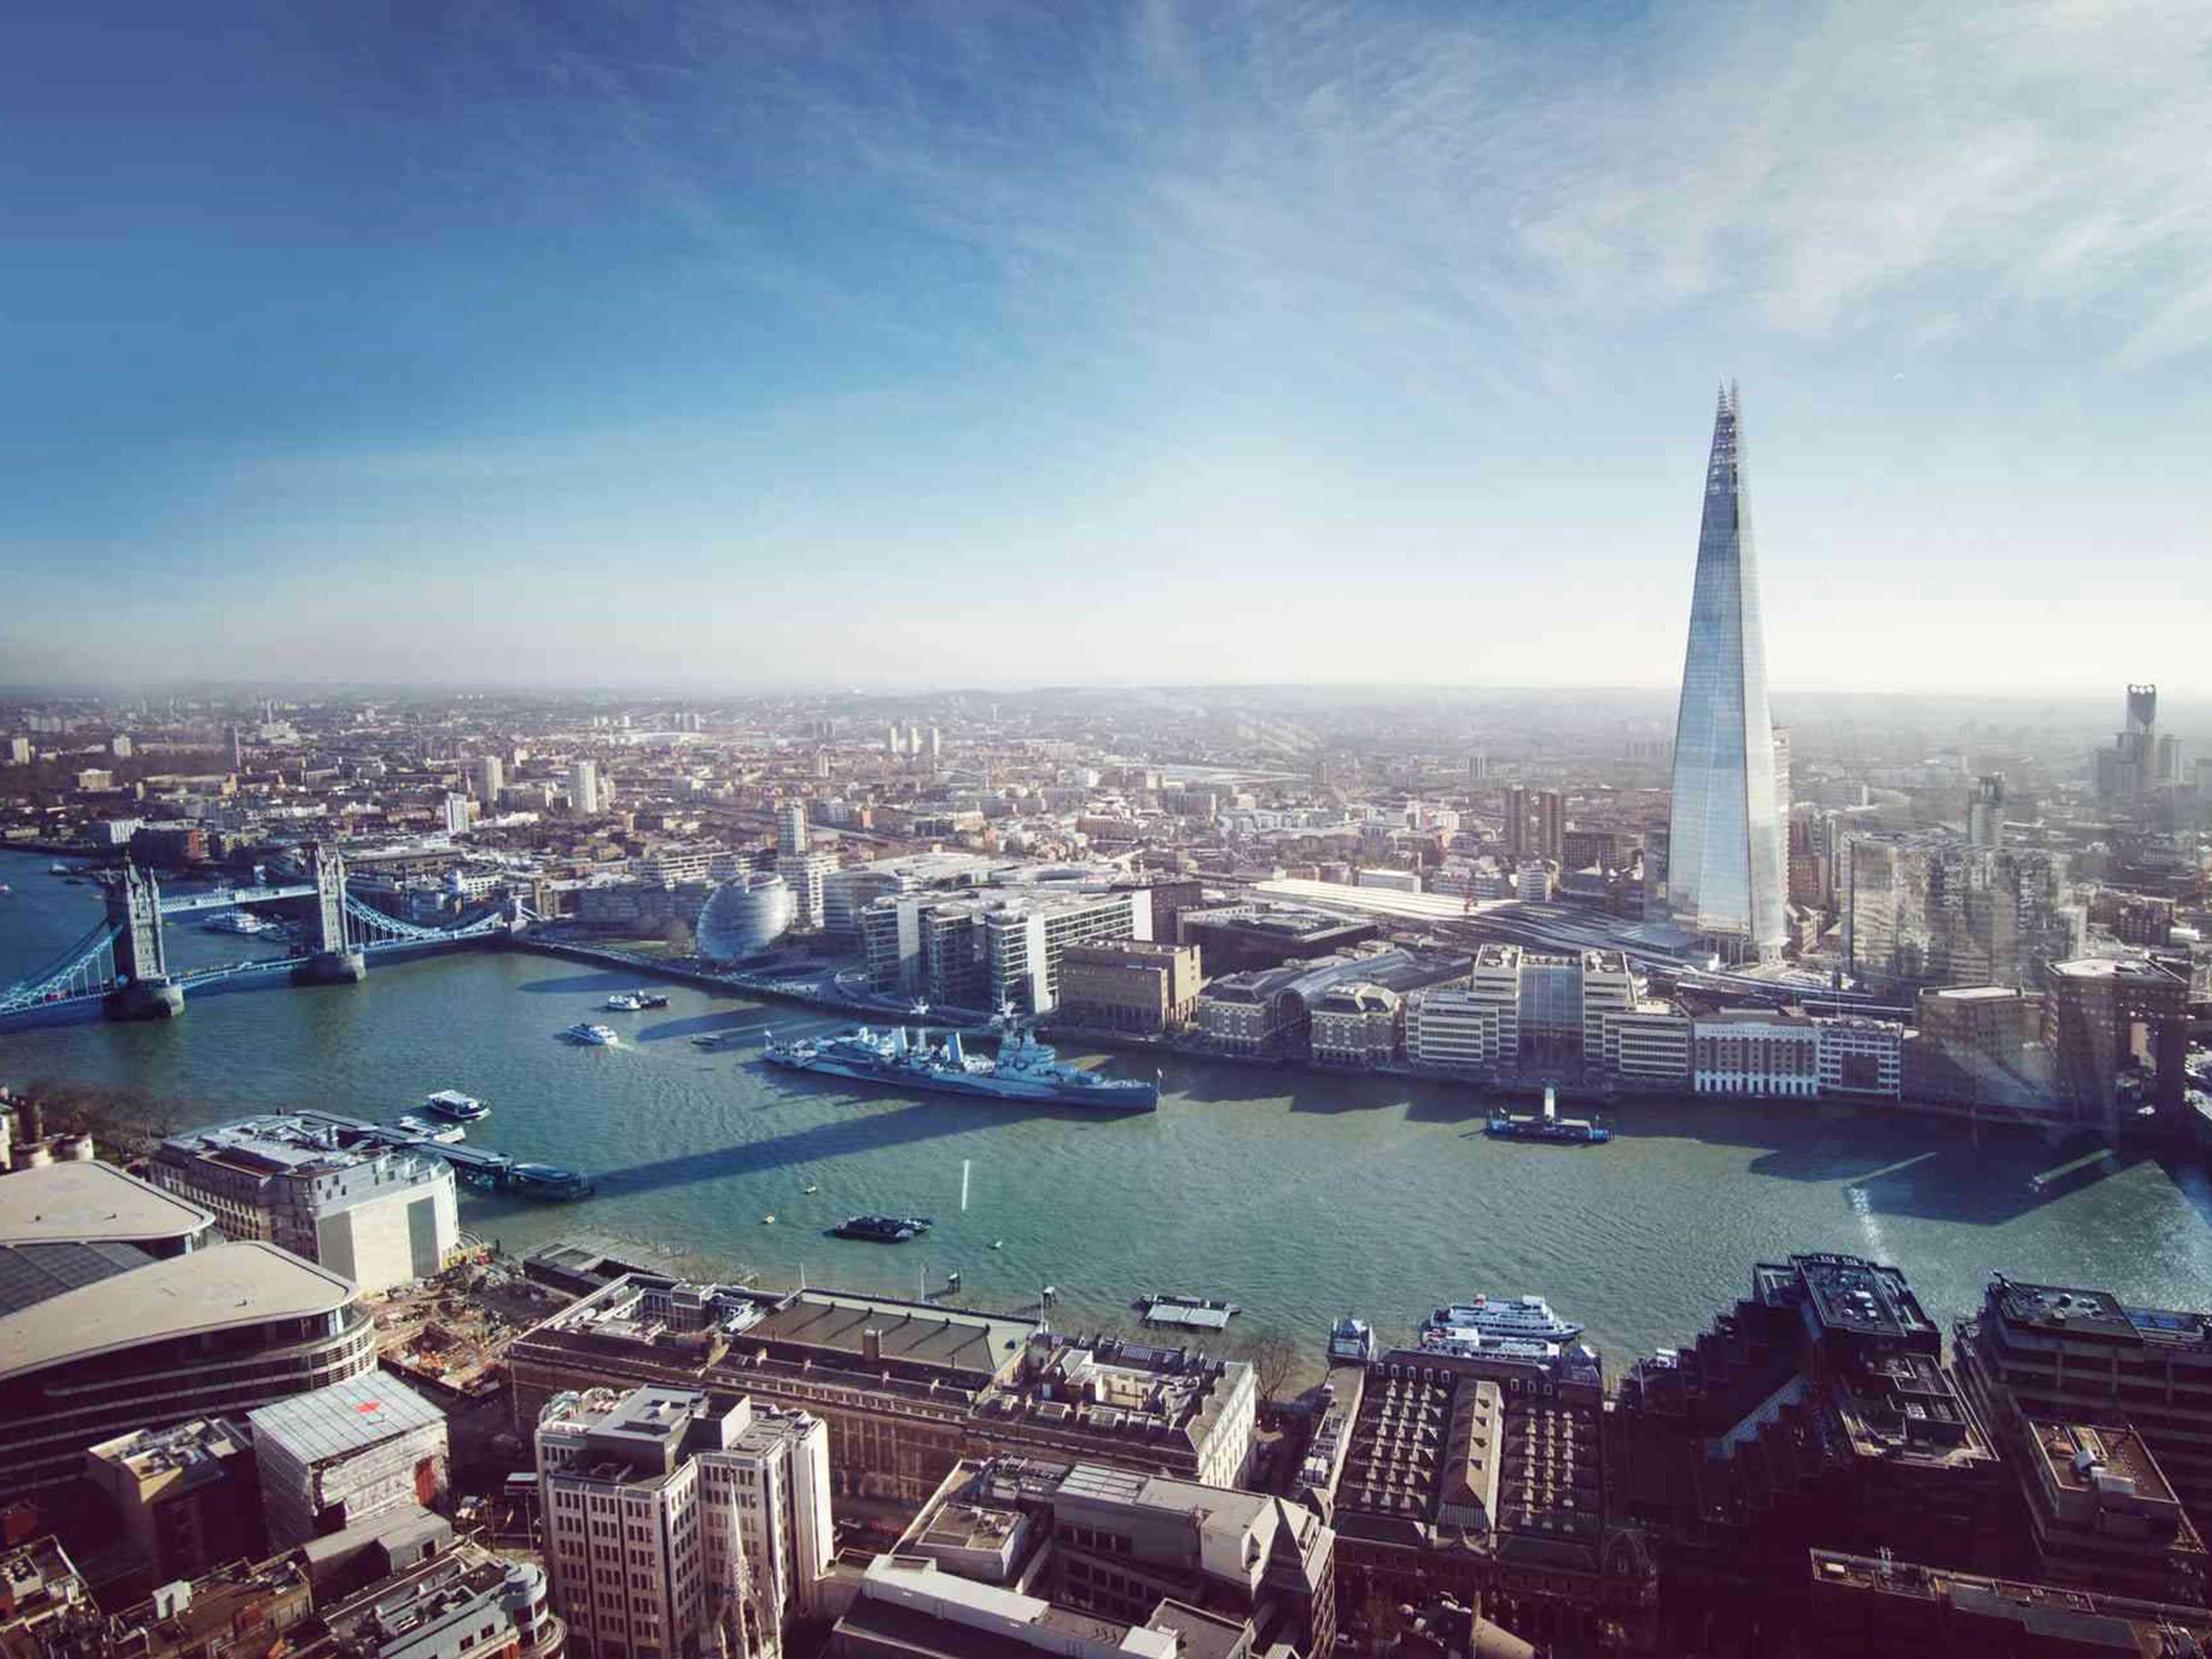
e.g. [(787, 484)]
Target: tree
[(677, 937), (1272, 1356)]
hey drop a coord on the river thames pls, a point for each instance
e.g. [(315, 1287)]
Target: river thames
[(1302, 1197)]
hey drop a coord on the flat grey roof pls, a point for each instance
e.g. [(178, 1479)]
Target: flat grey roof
[(86, 1203), (29, 1274), (346, 1417), (220, 1288)]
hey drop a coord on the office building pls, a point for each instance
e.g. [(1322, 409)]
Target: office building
[(1117, 1545), (448, 1602), (584, 795), (744, 917), (1724, 869), (1985, 812), (671, 1514), (1356, 1023), (1452, 1028), (460, 815), (1815, 1413), (342, 1454), (60, 1220), (847, 892), (1551, 1005), (487, 777), (2100, 1513), (988, 953), (906, 1388), (379, 1217), (803, 874), (2172, 771), (1928, 909), (1237, 937), (1532, 882), (1980, 1045), (2104, 1015), (1535, 822), (215, 1333), (907, 1607), (2128, 769), (2058, 1354), (1481, 1476), (1859, 1058), (1271, 1014), (186, 1498), (1648, 1044), (1861, 1604), (791, 831), (1751, 1051), (45, 1606), (1143, 987)]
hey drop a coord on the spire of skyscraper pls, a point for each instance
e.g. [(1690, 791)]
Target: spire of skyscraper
[(1724, 866)]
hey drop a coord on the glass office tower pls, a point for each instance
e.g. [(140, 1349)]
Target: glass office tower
[(1724, 865)]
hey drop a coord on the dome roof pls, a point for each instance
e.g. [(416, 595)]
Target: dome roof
[(744, 917)]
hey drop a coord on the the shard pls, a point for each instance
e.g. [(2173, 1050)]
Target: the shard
[(1724, 871)]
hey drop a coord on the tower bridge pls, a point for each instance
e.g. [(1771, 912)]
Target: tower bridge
[(122, 964)]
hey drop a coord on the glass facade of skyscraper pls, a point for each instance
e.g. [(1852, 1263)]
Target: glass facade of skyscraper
[(1724, 866)]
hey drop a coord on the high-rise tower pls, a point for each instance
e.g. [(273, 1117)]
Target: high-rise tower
[(1725, 867)]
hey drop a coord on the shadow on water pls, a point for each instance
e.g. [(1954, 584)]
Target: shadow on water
[(2187, 1173), (730, 1023), (842, 1137), (606, 980), (1930, 1169)]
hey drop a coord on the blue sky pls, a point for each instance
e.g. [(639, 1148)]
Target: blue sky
[(993, 343)]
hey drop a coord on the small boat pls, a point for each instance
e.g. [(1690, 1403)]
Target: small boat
[(591, 1035), (57, 869), (547, 1181), (445, 1134), (998, 1243), (5, 889), (240, 921), (810, 1189), (767, 1221), (882, 1229), (456, 1107), (646, 999), (623, 1002)]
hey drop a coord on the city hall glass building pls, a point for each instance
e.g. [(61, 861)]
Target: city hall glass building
[(1724, 866)]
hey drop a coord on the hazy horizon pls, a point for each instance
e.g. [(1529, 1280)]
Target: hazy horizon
[(730, 345)]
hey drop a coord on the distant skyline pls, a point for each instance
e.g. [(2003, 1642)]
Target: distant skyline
[(717, 346)]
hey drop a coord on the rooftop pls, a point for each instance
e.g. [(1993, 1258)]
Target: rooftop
[(2063, 1309), (911, 1333), (2082, 1458), (223, 1287), (29, 1274), (86, 1203), (346, 1417)]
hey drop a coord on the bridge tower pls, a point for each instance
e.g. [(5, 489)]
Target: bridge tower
[(337, 960), (143, 987)]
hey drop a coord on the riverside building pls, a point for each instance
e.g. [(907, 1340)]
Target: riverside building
[(2062, 1353), (1137, 986), (1816, 1413), (985, 953), (215, 1333), (379, 1217), (906, 1388)]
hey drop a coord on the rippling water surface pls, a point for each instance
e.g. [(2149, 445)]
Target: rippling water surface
[(1300, 1197)]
